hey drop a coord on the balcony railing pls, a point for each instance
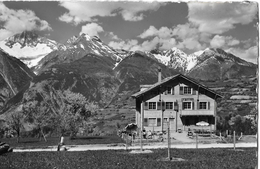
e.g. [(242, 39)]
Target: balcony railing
[(196, 112)]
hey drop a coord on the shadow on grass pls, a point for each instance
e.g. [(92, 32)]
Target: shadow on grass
[(29, 141), (53, 141), (88, 138)]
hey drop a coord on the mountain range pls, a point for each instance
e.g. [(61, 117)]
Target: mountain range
[(102, 74)]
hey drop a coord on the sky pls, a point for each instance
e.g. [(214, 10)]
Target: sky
[(143, 25)]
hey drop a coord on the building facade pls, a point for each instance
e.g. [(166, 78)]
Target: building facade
[(178, 101)]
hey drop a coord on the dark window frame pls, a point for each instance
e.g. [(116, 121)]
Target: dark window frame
[(190, 106), (151, 105), (169, 105), (187, 90), (203, 105)]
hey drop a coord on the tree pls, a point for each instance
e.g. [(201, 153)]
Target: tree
[(242, 124), (236, 123), (15, 122), (40, 114), (74, 112)]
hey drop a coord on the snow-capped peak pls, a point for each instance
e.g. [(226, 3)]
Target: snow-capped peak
[(177, 59), (28, 46)]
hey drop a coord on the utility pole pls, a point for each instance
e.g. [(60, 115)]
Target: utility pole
[(176, 108), (169, 141), (142, 120), (176, 121)]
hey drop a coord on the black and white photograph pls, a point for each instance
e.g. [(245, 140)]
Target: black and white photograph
[(100, 84)]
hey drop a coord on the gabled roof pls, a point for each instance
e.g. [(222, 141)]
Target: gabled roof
[(172, 78)]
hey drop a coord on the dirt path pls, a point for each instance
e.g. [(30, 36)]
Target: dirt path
[(153, 146)]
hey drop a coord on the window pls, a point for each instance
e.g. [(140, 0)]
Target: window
[(158, 121), (203, 105), (186, 90), (187, 106), (151, 121), (169, 105), (152, 105)]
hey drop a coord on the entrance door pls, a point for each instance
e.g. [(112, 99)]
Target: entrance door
[(165, 124), (172, 124)]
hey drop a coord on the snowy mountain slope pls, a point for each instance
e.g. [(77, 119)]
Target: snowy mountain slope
[(176, 59), (92, 45), (78, 47), (29, 47), (216, 64)]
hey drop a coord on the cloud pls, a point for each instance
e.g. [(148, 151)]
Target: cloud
[(87, 11), (191, 43), (150, 44), (92, 29), (247, 43), (5, 34), (112, 36), (147, 45), (127, 45), (182, 36), (250, 54), (216, 18), (183, 31), (163, 32), (164, 44), (151, 31), (16, 21), (223, 41)]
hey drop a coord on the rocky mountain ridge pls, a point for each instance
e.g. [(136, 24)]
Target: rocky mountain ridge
[(106, 76), (76, 48), (32, 49), (14, 77)]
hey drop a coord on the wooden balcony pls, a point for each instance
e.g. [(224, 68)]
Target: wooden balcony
[(196, 113)]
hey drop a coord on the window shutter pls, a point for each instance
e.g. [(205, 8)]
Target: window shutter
[(175, 106), (145, 105), (163, 105), (172, 90), (208, 105), (198, 105), (193, 91), (181, 90), (158, 121), (193, 107), (145, 122), (159, 106), (182, 105)]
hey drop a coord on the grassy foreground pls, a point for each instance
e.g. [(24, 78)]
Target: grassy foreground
[(194, 158)]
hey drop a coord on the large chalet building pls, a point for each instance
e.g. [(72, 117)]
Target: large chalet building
[(178, 100)]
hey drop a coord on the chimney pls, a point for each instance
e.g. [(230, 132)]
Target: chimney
[(159, 75)]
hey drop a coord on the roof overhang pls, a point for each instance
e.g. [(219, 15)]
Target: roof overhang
[(177, 79)]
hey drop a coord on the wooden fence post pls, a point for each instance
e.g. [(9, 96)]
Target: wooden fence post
[(196, 140), (234, 139)]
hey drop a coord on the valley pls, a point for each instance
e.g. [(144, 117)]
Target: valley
[(107, 77)]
